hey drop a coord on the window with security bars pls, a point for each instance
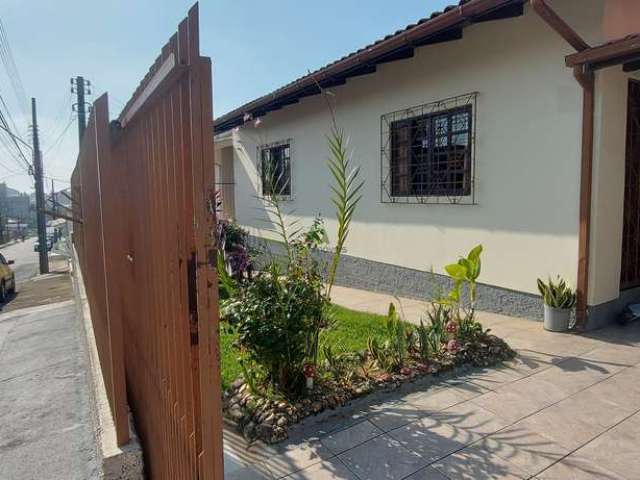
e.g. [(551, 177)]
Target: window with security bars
[(275, 169), (427, 153)]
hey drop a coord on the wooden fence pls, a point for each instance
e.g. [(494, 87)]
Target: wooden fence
[(144, 189)]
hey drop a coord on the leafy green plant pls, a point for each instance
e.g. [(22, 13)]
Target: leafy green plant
[(557, 294), (468, 328), (227, 286), (273, 315), (392, 354), (346, 193), (465, 272), (282, 312), (433, 336), (342, 366)]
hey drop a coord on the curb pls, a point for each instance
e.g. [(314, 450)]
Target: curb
[(114, 462)]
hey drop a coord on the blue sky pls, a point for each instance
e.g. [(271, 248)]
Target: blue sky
[(255, 46)]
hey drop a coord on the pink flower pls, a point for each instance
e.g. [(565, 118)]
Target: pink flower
[(453, 346), (257, 122), (452, 327), (247, 117), (309, 370)]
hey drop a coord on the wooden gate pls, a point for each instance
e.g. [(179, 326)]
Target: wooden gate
[(631, 229), (144, 187)]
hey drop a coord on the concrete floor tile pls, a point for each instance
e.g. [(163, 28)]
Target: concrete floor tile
[(472, 418), (524, 448), (332, 469), (575, 467), (428, 473), (292, 458), (382, 458), (435, 400), (433, 439), (351, 437), (516, 401), (476, 463), (562, 424), (493, 378), (616, 449), (394, 414)]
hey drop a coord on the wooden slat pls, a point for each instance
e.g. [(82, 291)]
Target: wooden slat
[(146, 186)]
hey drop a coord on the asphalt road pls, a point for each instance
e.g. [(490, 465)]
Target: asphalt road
[(26, 259)]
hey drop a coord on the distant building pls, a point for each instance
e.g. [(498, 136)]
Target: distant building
[(14, 204)]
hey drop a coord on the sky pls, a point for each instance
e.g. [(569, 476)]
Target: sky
[(255, 47)]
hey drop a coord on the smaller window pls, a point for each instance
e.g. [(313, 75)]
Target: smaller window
[(275, 169)]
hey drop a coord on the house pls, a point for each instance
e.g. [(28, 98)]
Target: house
[(511, 123)]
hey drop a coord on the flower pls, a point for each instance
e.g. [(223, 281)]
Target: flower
[(257, 122), (453, 346), (247, 117), (451, 327), (423, 367), (309, 370)]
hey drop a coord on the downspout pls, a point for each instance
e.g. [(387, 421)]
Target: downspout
[(586, 79)]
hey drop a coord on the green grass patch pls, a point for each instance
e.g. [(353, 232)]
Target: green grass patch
[(350, 333)]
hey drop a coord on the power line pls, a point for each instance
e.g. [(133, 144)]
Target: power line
[(61, 135), (12, 71), (13, 138)]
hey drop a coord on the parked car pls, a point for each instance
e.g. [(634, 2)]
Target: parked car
[(7, 279)]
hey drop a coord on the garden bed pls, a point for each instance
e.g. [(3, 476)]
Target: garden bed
[(268, 417)]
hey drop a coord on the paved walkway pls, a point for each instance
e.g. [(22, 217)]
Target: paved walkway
[(566, 408), (46, 430)]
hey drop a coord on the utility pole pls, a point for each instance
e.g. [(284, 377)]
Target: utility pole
[(81, 87), (40, 202)]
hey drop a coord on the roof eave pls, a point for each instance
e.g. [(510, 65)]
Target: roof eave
[(365, 61)]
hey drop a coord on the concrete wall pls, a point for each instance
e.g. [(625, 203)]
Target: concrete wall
[(527, 153)]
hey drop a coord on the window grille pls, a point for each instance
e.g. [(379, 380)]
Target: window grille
[(427, 153), (275, 169)]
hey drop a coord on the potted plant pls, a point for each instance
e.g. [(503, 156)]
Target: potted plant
[(558, 299)]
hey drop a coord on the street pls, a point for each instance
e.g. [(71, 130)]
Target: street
[(46, 429), (26, 259)]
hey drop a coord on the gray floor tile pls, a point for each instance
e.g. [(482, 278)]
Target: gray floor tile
[(332, 469), (382, 458), (475, 463), (433, 439), (351, 437), (523, 448), (292, 458), (394, 414)]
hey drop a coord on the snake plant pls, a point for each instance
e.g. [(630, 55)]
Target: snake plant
[(557, 294)]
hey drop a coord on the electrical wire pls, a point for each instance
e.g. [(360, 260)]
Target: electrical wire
[(55, 143), (12, 71)]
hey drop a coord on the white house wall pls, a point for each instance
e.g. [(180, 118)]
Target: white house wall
[(527, 153)]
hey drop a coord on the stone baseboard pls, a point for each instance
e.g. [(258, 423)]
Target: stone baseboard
[(357, 272)]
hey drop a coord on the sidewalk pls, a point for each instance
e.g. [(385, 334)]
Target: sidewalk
[(46, 430), (567, 408)]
